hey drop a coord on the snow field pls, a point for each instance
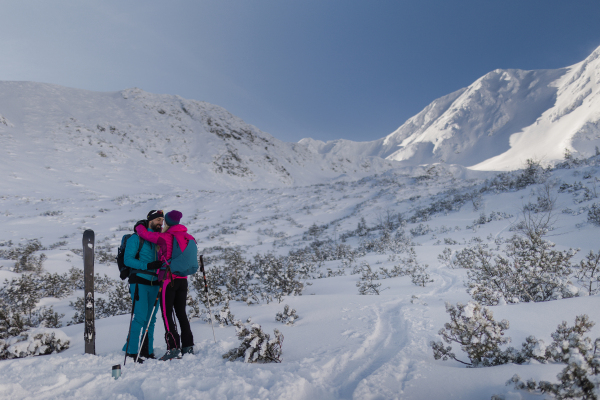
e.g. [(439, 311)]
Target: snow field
[(343, 346)]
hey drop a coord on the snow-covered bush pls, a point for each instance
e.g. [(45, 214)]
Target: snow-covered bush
[(118, 303), (532, 173), (361, 228), (11, 322), (474, 329), (34, 342), (410, 266), (366, 284), (278, 277), (421, 230), (224, 316), (418, 273), (594, 214), (287, 317), (26, 261), (531, 271), (256, 346), (471, 257), (588, 273), (446, 257), (386, 242), (580, 378)]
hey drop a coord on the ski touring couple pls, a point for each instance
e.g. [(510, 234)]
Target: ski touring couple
[(149, 252)]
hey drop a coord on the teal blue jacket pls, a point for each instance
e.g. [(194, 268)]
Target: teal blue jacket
[(147, 255)]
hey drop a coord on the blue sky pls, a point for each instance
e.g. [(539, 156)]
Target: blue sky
[(327, 69)]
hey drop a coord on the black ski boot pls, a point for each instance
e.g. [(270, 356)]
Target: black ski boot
[(144, 352)]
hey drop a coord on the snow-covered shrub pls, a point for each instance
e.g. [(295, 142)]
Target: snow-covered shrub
[(588, 273), (287, 317), (471, 257), (278, 277), (594, 214), (54, 285), (366, 284), (474, 329), (361, 229), (395, 243), (21, 295), (46, 317), (118, 303), (421, 230), (389, 221), (410, 266), (11, 322), (398, 270), (531, 271), (332, 273), (418, 273), (314, 231), (34, 342), (446, 257), (532, 173), (24, 256), (256, 346), (224, 316), (580, 378)]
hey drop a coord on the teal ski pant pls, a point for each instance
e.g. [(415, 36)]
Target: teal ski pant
[(141, 314)]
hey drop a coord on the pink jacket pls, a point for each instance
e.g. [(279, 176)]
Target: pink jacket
[(164, 240)]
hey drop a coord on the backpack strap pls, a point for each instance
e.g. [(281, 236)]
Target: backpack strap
[(137, 256)]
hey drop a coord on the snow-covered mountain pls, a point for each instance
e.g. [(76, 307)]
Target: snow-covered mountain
[(55, 135), (498, 122)]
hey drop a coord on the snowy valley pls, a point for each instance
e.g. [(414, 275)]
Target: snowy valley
[(374, 239)]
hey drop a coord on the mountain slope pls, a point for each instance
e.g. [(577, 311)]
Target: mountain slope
[(498, 122), (53, 134)]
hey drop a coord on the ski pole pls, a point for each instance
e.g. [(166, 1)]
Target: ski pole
[(207, 299), (149, 321), (136, 297)]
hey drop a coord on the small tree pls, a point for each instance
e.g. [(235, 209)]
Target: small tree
[(474, 329), (256, 346), (366, 284), (224, 317), (594, 214), (531, 271), (588, 273), (580, 378), (287, 317)]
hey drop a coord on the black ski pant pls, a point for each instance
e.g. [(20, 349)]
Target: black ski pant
[(174, 297)]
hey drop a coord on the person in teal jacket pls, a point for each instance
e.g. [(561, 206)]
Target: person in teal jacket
[(146, 285)]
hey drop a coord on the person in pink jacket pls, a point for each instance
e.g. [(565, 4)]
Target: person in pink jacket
[(174, 288)]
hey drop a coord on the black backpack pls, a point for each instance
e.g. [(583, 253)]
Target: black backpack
[(125, 271)]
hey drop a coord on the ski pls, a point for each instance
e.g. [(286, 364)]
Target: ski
[(89, 332)]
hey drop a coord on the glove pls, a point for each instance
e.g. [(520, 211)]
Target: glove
[(141, 222), (154, 265)]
